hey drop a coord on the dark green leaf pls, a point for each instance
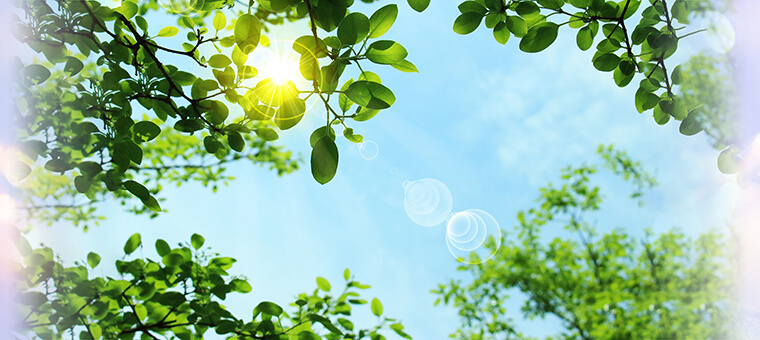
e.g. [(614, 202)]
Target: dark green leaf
[(162, 248), (73, 66), (235, 140), (324, 160), (353, 28), (539, 37), (370, 95), (419, 5), (467, 23)]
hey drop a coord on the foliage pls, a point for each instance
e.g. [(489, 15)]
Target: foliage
[(111, 93), (609, 285), (624, 52), (104, 91), (179, 296)]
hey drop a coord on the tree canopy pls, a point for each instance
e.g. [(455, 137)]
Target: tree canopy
[(608, 285), (118, 99), (110, 105)]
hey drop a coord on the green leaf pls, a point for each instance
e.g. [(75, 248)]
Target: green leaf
[(270, 308), (235, 140), (527, 9), (370, 95), (364, 114), (346, 274), (168, 31), (399, 329), (689, 126), (133, 242), (219, 21), (353, 28), (267, 134), (82, 184), (197, 241), (552, 4), (308, 335), (73, 66), (584, 38), (128, 151), (289, 113), (606, 62), (728, 161), (501, 33), (247, 32), (143, 194), (241, 286), (645, 100), (320, 132), (324, 160), (405, 66), (472, 7), (467, 23), (386, 52), (35, 74), (219, 61), (539, 37), (325, 322), (162, 248), (382, 20), (146, 131), (676, 75), (323, 284), (377, 307), (517, 26), (349, 134), (419, 5), (93, 259)]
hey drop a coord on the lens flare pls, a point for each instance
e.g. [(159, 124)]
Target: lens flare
[(181, 6), (427, 202), (368, 150), (473, 236)]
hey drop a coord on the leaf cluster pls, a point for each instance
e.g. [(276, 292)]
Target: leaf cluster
[(608, 285), (178, 296)]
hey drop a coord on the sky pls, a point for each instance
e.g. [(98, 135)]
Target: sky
[(491, 123)]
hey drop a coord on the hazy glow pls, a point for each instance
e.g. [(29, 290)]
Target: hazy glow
[(7, 208)]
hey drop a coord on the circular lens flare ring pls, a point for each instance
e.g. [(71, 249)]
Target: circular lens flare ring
[(368, 149), (483, 246), (427, 201)]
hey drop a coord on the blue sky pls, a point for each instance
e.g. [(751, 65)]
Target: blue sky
[(492, 123)]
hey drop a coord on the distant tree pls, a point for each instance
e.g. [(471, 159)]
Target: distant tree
[(178, 297), (599, 286)]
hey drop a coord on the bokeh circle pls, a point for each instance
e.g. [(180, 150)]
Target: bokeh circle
[(473, 236), (427, 201), (368, 149)]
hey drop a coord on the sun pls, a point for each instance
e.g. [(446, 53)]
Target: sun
[(279, 64)]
